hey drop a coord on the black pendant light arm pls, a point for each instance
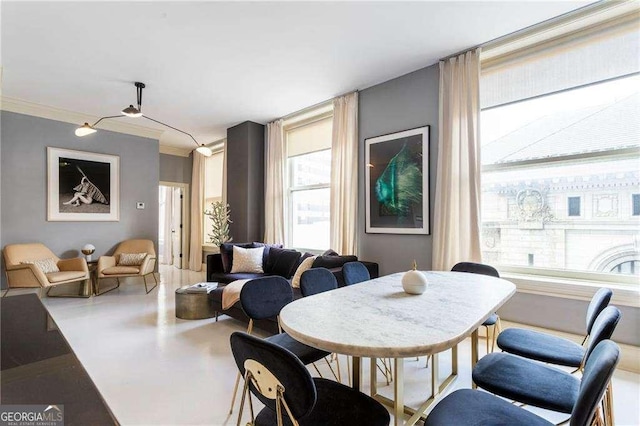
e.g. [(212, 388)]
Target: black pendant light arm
[(104, 118), (171, 127)]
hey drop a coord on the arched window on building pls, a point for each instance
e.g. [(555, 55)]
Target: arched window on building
[(628, 267)]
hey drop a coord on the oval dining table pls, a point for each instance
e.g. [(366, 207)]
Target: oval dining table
[(377, 319)]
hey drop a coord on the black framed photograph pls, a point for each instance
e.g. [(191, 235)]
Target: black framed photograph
[(82, 186), (397, 182)]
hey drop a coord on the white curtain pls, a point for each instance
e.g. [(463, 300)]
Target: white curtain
[(456, 233), (344, 174), (166, 256), (275, 174), (197, 200)]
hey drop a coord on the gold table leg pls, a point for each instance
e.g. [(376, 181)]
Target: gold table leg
[(474, 353), (356, 371)]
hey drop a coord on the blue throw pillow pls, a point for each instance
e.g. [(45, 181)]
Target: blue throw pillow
[(282, 262)]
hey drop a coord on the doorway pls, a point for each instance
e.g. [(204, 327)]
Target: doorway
[(172, 236)]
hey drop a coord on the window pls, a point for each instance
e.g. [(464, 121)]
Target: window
[(213, 177), (574, 206), (309, 177), (550, 133)]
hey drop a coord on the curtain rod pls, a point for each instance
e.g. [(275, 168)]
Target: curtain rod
[(314, 106), (590, 8)]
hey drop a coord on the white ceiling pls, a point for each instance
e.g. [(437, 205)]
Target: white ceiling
[(211, 65)]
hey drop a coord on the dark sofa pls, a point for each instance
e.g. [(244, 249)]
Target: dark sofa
[(217, 264)]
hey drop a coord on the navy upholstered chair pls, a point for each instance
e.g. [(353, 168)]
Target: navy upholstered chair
[(494, 320), (317, 280), (466, 406), (263, 298), (354, 273), (552, 349), (537, 384), (291, 396)]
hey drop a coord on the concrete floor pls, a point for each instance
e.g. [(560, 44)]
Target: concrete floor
[(155, 369)]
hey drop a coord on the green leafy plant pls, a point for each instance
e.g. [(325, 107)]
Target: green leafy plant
[(220, 220)]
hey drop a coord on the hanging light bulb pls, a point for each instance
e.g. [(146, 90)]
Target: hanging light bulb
[(85, 130)]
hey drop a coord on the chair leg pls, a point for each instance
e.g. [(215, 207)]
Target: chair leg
[(66, 295), (144, 277), (6, 292), (97, 289), (608, 405)]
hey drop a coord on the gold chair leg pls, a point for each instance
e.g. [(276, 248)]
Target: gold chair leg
[(6, 292), (97, 288), (144, 277)]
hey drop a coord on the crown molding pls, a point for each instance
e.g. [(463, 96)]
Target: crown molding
[(173, 150), (52, 113)]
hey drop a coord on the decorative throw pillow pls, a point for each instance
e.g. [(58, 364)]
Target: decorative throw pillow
[(330, 262), (267, 250), (330, 252), (131, 259), (306, 264), (226, 253), (45, 265), (247, 260), (282, 262)]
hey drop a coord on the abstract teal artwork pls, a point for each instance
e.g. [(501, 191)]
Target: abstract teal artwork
[(397, 171)]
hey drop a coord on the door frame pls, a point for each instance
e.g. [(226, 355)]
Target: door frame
[(185, 219)]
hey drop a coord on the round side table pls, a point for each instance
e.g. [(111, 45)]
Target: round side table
[(191, 306)]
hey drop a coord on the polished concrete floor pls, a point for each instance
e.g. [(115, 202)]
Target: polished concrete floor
[(154, 369)]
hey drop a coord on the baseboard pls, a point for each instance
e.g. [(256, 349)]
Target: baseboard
[(630, 355)]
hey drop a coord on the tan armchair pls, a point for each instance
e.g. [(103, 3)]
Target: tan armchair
[(109, 266), (24, 275)]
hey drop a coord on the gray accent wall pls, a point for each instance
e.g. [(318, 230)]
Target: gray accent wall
[(24, 186), (403, 103), (174, 168)]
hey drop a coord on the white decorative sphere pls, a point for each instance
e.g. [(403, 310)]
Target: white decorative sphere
[(414, 282)]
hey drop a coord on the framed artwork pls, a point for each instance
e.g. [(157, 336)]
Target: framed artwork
[(82, 186), (397, 182)]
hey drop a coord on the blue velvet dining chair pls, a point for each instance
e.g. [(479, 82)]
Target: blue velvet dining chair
[(354, 273), (494, 320), (317, 280), (264, 298), (552, 349), (466, 406), (291, 396), (541, 385)]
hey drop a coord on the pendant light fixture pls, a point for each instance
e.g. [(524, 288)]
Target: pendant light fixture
[(134, 112)]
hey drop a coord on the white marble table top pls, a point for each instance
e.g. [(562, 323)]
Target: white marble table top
[(378, 319)]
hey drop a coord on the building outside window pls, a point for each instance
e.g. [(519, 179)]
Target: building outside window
[(309, 178), (213, 179), (561, 157)]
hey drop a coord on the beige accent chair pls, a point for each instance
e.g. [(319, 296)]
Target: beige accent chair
[(108, 265), (23, 275)]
